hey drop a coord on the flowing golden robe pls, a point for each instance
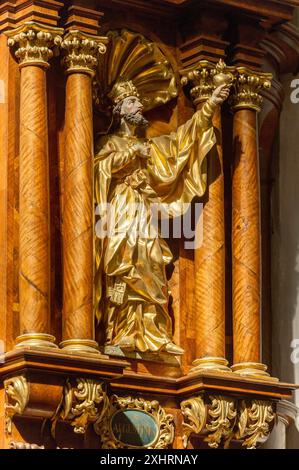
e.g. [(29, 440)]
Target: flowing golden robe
[(131, 293)]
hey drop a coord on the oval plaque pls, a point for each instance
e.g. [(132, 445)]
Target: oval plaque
[(134, 428)]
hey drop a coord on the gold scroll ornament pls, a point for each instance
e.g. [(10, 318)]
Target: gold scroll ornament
[(214, 419), (220, 421), (81, 405), (255, 423), (17, 397)]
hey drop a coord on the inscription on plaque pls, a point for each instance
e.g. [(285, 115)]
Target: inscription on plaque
[(134, 428)]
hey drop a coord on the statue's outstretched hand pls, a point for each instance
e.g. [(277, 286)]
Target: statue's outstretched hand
[(220, 94)]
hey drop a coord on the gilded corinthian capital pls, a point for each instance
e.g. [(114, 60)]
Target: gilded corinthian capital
[(82, 51), (248, 85), (34, 43), (205, 77)]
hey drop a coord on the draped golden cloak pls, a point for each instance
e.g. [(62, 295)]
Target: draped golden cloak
[(131, 293)]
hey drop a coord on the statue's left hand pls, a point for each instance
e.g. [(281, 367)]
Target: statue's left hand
[(220, 94)]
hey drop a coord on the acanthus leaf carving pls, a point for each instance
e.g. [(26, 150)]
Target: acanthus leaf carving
[(212, 419), (81, 405), (222, 413), (205, 77), (34, 43), (255, 422), (248, 87), (194, 412), (17, 397), (82, 51)]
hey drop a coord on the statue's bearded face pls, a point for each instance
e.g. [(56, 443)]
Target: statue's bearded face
[(131, 110)]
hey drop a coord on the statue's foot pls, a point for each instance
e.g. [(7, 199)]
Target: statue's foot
[(126, 343), (174, 349)]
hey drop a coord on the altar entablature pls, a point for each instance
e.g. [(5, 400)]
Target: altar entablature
[(209, 398)]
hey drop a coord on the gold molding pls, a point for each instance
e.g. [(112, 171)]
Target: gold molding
[(254, 424), (34, 43), (80, 346), (217, 364), (253, 369), (205, 77), (165, 422), (82, 51), (16, 398), (81, 405), (248, 85), (35, 340)]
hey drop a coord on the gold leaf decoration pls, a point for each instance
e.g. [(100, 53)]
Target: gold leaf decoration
[(255, 423), (194, 412), (133, 57), (222, 413), (81, 405), (164, 422), (34, 42), (17, 397), (82, 51), (248, 86)]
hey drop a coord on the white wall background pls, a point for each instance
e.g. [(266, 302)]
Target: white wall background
[(285, 249)]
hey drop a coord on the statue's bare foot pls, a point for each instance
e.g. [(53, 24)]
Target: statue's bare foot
[(173, 349)]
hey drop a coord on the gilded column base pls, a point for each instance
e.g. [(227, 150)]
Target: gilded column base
[(254, 370), (218, 364), (80, 346), (35, 340)]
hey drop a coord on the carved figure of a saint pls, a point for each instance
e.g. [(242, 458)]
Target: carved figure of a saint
[(131, 174)]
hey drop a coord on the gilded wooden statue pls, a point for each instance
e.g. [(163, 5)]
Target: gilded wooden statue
[(132, 174)]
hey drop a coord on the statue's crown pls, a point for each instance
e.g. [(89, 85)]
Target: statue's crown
[(122, 89)]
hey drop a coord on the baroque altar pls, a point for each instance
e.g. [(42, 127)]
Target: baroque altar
[(130, 341)]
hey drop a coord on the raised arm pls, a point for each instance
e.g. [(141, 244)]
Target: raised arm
[(205, 115)]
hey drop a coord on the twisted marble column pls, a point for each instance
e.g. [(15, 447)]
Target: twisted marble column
[(80, 60), (33, 45)]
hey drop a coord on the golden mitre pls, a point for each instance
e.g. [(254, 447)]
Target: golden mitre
[(122, 89)]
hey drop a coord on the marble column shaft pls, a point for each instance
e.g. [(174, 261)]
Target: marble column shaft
[(246, 250), (33, 45), (80, 59)]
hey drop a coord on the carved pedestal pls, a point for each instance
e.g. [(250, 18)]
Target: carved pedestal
[(54, 399)]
